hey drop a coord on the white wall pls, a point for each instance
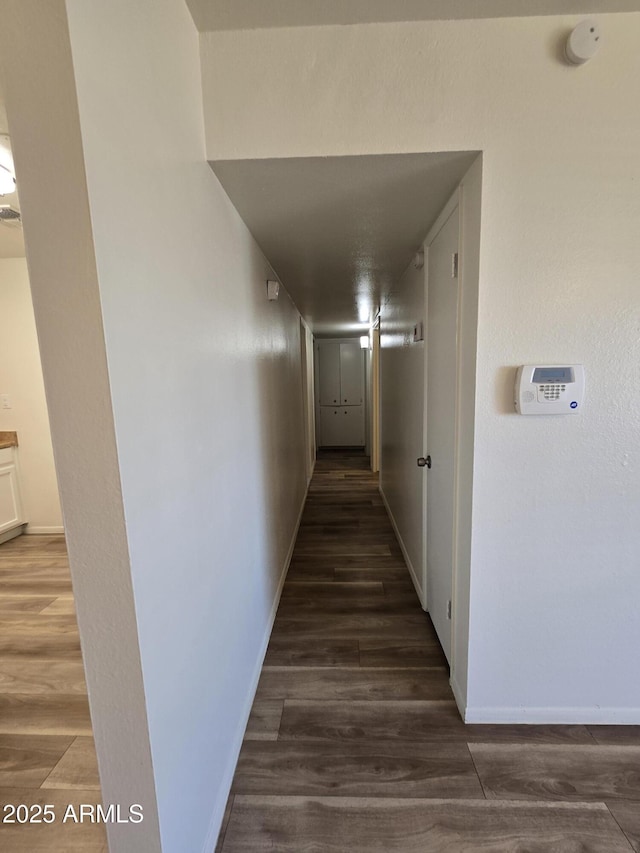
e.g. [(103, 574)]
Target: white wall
[(21, 379), (205, 380), (555, 540), (402, 394)]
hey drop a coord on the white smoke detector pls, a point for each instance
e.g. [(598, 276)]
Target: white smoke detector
[(583, 43)]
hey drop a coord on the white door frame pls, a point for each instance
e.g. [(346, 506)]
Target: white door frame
[(445, 214), (375, 397)]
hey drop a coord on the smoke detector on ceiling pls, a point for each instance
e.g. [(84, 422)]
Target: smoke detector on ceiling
[(582, 43)]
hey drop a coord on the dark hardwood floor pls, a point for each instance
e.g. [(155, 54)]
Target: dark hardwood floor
[(47, 754), (355, 744)]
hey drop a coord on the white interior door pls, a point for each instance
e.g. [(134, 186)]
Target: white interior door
[(442, 348), (375, 402)]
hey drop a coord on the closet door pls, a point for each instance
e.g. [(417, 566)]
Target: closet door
[(351, 374), (329, 373)]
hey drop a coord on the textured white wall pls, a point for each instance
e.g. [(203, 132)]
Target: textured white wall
[(555, 544), (402, 395), (39, 86), (206, 386), (21, 379), (189, 473)]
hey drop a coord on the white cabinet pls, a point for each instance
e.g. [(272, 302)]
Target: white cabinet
[(340, 372), (11, 518), (329, 373), (351, 375), (352, 429), (330, 425), (342, 427)]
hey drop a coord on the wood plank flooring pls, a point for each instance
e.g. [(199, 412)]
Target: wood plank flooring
[(355, 743), (47, 754)]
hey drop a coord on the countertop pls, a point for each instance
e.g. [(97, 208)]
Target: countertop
[(8, 439)]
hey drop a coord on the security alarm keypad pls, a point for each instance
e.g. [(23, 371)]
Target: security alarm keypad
[(549, 390)]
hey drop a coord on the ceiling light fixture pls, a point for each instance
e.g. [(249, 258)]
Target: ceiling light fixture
[(7, 181), (7, 173)]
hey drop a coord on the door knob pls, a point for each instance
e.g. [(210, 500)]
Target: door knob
[(424, 462)]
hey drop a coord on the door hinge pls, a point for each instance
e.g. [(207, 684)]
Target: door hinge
[(448, 609), (454, 265)]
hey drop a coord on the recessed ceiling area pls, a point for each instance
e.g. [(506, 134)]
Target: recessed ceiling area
[(210, 15), (340, 231)]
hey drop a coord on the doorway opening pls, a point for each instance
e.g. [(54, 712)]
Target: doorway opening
[(355, 241)]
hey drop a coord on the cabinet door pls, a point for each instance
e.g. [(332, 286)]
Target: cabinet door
[(329, 374), (351, 374), (330, 425), (352, 429), (10, 510)]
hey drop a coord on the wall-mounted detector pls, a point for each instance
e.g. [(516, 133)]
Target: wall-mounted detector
[(418, 259), (582, 43), (273, 289)]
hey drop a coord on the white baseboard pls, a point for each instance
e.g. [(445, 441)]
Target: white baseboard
[(407, 559), (555, 716), (11, 534), (243, 718), (44, 531)]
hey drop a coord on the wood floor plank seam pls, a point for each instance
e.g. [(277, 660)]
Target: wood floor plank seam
[(477, 774), (629, 838), (58, 762)]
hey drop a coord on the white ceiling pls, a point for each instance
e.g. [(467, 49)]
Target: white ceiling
[(340, 231), (11, 237), (251, 14)]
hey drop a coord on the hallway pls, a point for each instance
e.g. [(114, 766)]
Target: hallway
[(355, 742)]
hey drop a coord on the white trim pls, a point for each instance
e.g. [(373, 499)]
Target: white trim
[(6, 535), (451, 208), (407, 559), (50, 531), (243, 718), (443, 218), (555, 716)]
